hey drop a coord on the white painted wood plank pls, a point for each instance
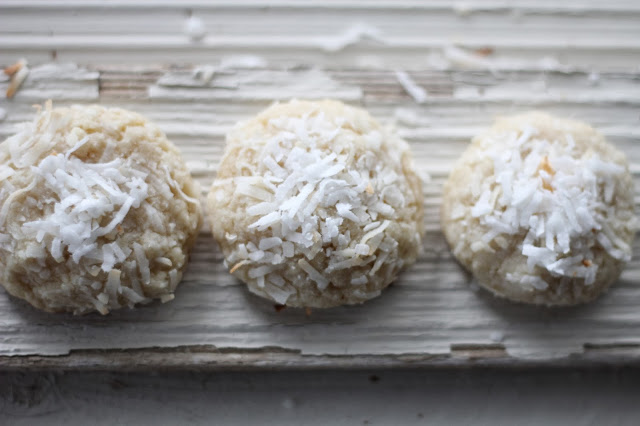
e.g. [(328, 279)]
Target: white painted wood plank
[(475, 60), (543, 35), (431, 309)]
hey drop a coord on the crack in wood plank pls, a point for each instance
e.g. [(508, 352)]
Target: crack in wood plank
[(208, 357)]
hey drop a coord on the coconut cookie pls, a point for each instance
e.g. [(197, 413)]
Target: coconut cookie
[(97, 211), (540, 210), (316, 205)]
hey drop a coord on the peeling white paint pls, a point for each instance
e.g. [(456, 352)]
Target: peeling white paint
[(414, 90), (354, 34), (259, 85), (195, 28), (581, 35)]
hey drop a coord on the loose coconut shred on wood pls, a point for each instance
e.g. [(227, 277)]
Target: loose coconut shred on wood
[(540, 209), (316, 204), (89, 219)]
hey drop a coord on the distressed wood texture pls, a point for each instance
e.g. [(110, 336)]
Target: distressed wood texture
[(474, 61)]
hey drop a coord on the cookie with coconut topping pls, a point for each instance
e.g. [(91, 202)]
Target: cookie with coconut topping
[(540, 210), (316, 205), (97, 211)]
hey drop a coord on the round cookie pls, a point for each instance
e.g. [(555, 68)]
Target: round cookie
[(97, 211), (540, 210), (316, 205)]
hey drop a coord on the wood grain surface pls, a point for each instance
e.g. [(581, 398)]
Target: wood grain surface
[(474, 61)]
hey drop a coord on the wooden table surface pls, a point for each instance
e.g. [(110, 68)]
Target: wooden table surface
[(197, 67)]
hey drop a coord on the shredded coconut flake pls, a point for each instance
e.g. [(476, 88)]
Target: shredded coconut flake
[(267, 243), (167, 298), (417, 93), (316, 276), (362, 249), (19, 73), (305, 196), (362, 279), (86, 194), (174, 184), (560, 200), (143, 263)]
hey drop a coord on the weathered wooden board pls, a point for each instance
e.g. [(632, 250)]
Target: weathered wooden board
[(474, 61)]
